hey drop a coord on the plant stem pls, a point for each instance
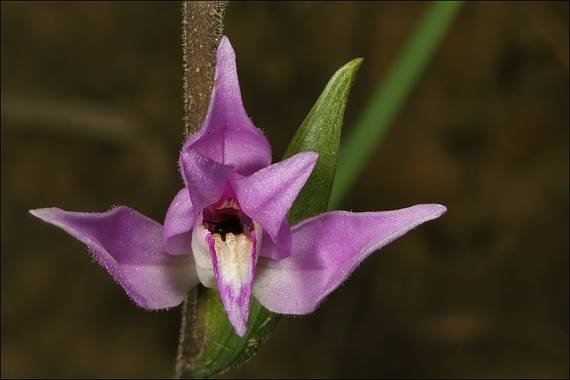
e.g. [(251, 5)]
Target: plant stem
[(202, 28)]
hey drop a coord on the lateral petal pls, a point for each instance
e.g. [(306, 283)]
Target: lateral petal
[(326, 250), (267, 195), (178, 224), (129, 246), (205, 179)]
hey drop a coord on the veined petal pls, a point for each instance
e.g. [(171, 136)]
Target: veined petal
[(228, 263), (267, 195), (228, 136), (129, 246), (178, 223), (234, 260), (205, 179), (326, 249)]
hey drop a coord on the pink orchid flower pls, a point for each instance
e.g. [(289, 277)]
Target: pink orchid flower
[(227, 228)]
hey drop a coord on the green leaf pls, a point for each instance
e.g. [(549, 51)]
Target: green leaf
[(220, 349), (320, 132), (391, 95)]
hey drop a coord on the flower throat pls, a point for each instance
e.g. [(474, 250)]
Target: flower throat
[(231, 223)]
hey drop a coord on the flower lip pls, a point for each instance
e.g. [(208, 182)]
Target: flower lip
[(231, 242)]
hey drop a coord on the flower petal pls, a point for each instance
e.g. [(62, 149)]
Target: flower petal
[(205, 179), (178, 223), (228, 136), (129, 246), (267, 195), (326, 249), (233, 259), (202, 254)]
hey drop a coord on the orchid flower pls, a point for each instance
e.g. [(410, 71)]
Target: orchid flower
[(228, 229)]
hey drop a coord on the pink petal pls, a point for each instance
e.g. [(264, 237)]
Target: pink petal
[(267, 195), (129, 246), (234, 260), (228, 136), (205, 179), (326, 249), (178, 223)]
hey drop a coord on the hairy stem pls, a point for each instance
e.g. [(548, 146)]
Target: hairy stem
[(202, 28)]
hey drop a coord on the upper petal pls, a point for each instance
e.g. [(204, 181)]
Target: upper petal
[(267, 195), (178, 223), (129, 246), (228, 136), (326, 249)]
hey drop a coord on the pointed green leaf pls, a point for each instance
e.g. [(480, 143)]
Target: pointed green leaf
[(220, 349), (320, 132)]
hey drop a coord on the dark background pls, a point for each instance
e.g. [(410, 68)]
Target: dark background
[(92, 116)]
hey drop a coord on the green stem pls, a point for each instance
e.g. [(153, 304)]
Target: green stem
[(391, 95)]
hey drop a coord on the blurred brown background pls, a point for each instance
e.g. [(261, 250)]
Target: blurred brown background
[(92, 116)]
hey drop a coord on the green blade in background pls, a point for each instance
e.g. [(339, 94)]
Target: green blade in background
[(218, 347), (404, 73)]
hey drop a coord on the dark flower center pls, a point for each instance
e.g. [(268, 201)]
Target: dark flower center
[(226, 217), (224, 226)]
